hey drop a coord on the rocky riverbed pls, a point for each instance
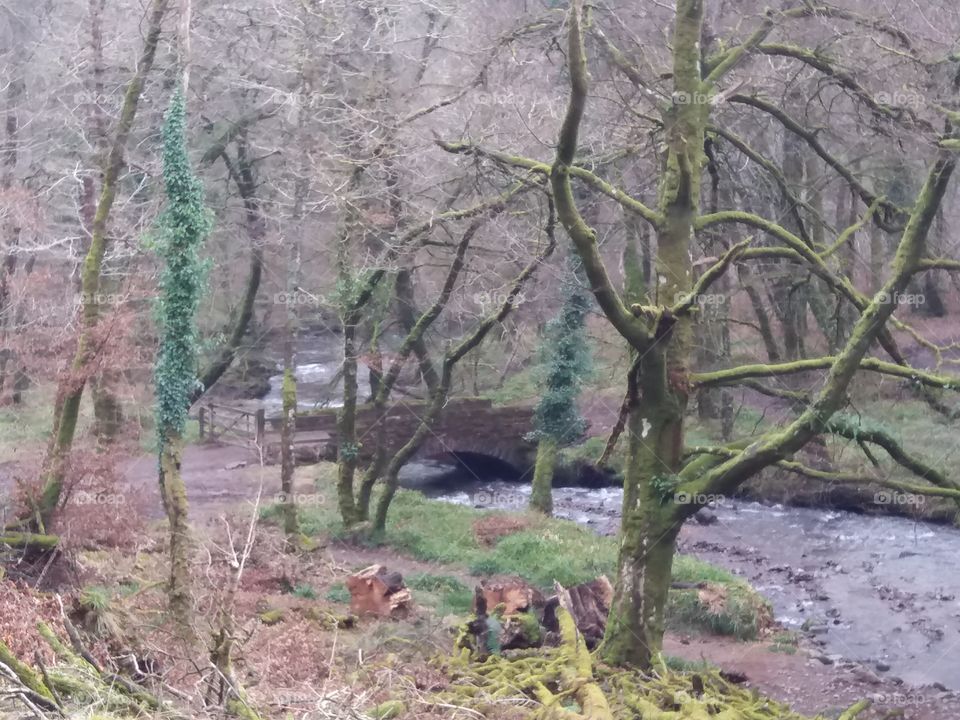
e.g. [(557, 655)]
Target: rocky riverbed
[(877, 592)]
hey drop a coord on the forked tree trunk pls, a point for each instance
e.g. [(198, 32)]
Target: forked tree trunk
[(634, 633), (650, 517)]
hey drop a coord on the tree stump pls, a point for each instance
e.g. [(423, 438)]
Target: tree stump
[(588, 604), (376, 591), (510, 614), (512, 595)]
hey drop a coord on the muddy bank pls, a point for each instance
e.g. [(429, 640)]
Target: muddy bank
[(775, 487)]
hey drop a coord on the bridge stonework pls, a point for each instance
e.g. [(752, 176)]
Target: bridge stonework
[(468, 425)]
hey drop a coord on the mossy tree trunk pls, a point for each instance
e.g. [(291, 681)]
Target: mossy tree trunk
[(348, 449), (541, 494), (655, 445), (173, 493)]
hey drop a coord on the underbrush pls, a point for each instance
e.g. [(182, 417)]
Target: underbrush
[(539, 550)]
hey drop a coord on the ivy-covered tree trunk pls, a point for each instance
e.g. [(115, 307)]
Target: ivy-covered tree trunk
[(183, 228), (566, 361)]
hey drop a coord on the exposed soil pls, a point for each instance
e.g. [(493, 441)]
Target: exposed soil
[(810, 686)]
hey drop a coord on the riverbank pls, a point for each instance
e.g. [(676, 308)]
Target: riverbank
[(443, 550)]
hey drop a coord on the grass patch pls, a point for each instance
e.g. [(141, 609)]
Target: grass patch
[(547, 550), (338, 593), (744, 613), (305, 591), (786, 643), (446, 594)]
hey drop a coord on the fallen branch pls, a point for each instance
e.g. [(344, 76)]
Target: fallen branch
[(29, 541)]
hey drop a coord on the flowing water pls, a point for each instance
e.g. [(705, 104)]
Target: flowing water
[(878, 590), (319, 357)]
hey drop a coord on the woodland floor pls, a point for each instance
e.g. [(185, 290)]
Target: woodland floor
[(380, 660), (218, 485), (374, 661)]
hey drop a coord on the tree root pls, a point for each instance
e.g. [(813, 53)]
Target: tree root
[(563, 683)]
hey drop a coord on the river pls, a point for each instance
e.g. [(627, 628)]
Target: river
[(878, 590), (882, 591)]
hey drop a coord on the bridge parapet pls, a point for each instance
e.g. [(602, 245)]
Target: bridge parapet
[(465, 425)]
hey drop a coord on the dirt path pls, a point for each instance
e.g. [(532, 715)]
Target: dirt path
[(216, 476)]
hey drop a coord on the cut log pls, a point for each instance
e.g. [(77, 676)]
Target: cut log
[(588, 603), (509, 595), (377, 591)]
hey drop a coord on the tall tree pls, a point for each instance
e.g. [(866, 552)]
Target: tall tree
[(658, 479), (70, 391), (665, 481), (183, 228), (566, 364)]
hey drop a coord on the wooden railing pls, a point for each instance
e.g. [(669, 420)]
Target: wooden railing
[(230, 425)]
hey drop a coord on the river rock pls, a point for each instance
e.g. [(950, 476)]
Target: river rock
[(867, 676), (881, 666), (705, 517)]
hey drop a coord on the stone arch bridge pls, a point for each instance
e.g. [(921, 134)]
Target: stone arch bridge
[(469, 430)]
